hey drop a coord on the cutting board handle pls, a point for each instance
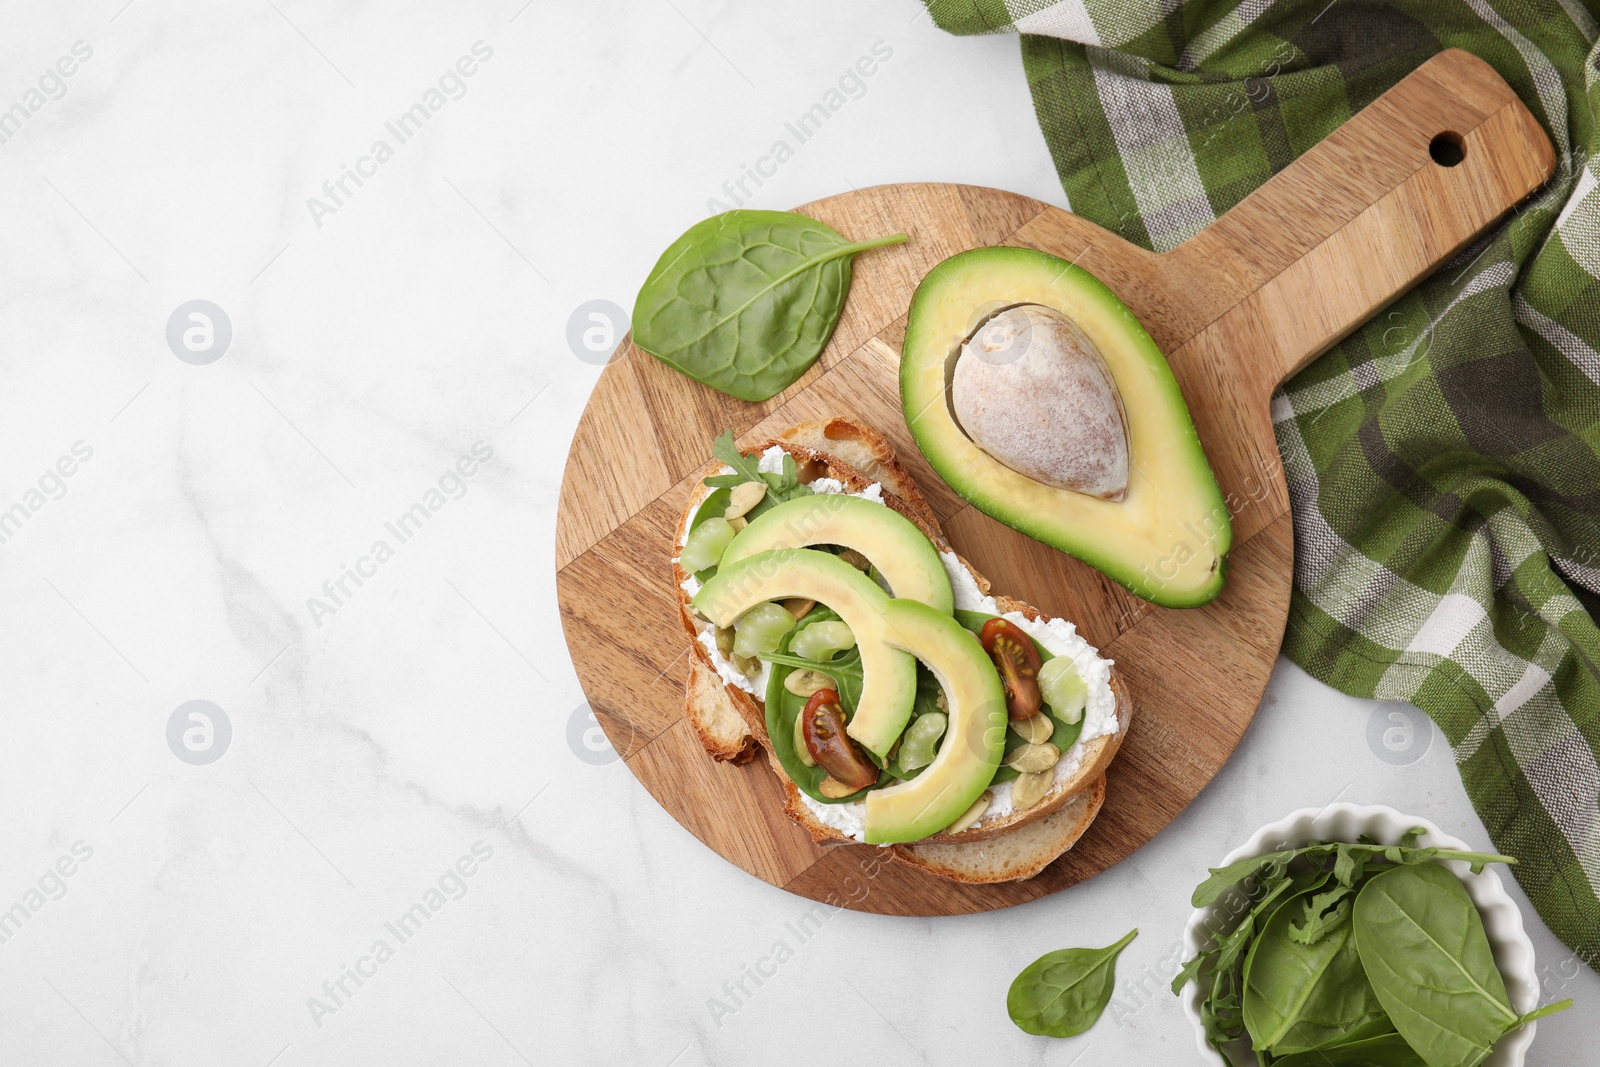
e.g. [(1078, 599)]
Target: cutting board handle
[(1360, 218)]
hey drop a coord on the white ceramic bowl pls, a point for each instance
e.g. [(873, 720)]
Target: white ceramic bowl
[(1513, 952)]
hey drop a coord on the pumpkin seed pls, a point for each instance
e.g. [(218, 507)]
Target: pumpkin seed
[(804, 683), (800, 748), (798, 606), (725, 640), (833, 789), (1033, 758), (856, 559), (1035, 729), (743, 497), (749, 666), (972, 814), (1029, 788)]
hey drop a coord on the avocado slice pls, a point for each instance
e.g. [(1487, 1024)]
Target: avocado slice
[(889, 682), (890, 541), (973, 741), (1168, 536)]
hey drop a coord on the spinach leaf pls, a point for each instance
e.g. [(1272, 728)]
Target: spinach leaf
[(784, 707), (1299, 997), (1062, 993), (1223, 1011), (745, 301), (1390, 1050), (1321, 883), (1222, 958), (1422, 943), (712, 506)]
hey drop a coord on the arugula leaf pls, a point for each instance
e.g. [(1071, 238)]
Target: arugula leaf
[(1224, 878), (782, 486), (1063, 993), (745, 468), (1325, 913), (845, 670), (745, 301)]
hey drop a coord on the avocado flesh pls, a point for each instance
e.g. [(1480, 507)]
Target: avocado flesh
[(889, 676), (1167, 539), (890, 541), (974, 739)]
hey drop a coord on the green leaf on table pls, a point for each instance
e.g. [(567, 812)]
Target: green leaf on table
[(1062, 993), (745, 301)]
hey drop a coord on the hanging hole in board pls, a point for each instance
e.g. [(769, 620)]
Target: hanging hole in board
[(1447, 149)]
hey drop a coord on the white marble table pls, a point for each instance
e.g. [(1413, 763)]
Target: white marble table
[(194, 528)]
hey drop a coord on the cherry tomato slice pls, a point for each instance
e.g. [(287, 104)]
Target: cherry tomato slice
[(822, 726), (1018, 663)]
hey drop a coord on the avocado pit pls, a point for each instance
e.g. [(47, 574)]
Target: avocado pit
[(1034, 392)]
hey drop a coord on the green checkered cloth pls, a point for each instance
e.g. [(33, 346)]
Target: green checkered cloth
[(1445, 474)]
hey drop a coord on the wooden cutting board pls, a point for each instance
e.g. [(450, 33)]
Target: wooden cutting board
[(1302, 262)]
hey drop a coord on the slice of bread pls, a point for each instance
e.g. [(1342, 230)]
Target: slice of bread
[(1020, 854), (711, 712), (731, 722)]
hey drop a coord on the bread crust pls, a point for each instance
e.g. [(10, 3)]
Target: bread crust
[(1015, 857), (720, 726), (1097, 756), (819, 448)]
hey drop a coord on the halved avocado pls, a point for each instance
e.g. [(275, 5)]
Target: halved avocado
[(890, 541), (1167, 539), (889, 676), (973, 742)]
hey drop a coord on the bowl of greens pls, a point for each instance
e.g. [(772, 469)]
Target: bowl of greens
[(1358, 935)]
